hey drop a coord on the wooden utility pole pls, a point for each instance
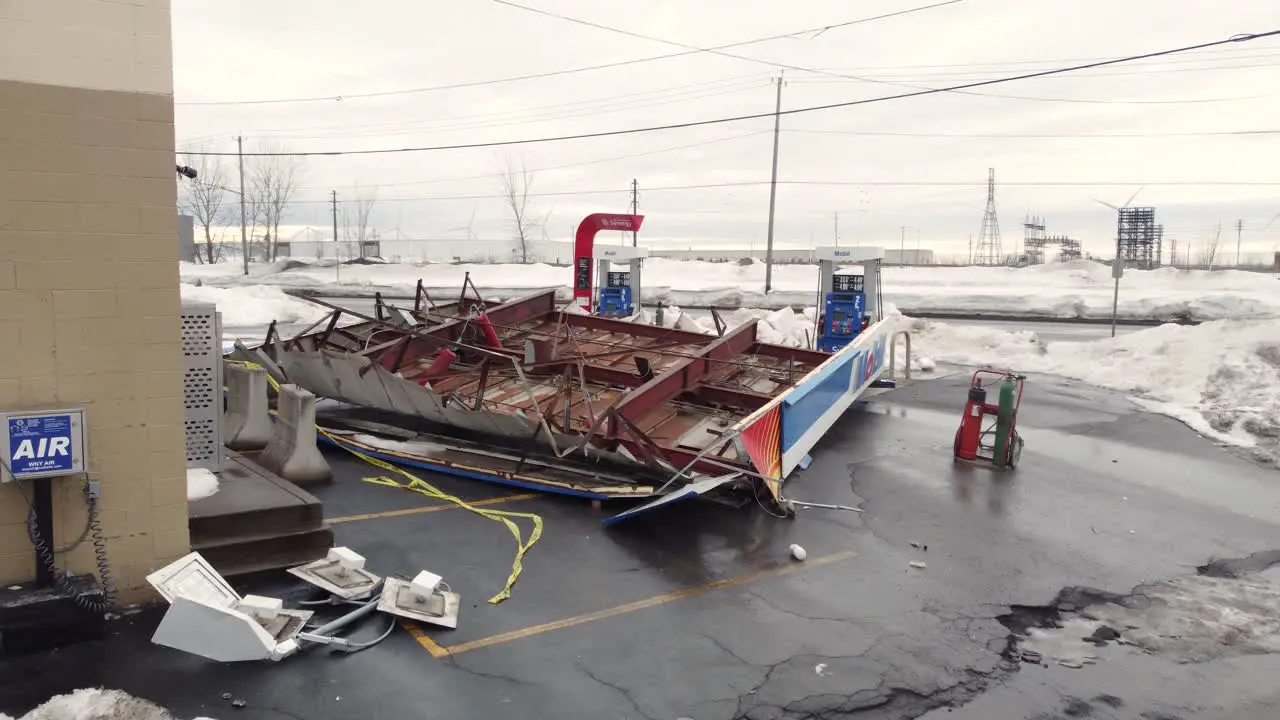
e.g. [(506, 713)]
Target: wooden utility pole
[(244, 236), (773, 190), (1239, 232), (635, 206), (337, 254)]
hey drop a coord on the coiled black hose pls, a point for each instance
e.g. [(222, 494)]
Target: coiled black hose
[(45, 553)]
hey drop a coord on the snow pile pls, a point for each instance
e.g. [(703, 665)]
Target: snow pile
[(201, 483), (1081, 289), (1190, 619), (1222, 378), (97, 704), (253, 304)]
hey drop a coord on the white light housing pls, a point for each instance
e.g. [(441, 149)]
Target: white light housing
[(346, 557), (404, 598), (341, 573), (425, 583), (206, 617)]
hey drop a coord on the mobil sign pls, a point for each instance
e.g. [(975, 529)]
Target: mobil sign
[(42, 444)]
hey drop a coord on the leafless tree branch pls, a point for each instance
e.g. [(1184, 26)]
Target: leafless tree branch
[(355, 218), (204, 196), (516, 184), (274, 180)]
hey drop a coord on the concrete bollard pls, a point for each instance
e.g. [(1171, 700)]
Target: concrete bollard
[(292, 453), (246, 424)]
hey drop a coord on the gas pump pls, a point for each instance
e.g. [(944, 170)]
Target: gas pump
[(848, 303), (620, 293)]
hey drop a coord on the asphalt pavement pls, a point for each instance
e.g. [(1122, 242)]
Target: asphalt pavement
[(698, 611)]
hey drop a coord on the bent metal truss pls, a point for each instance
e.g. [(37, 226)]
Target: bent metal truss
[(535, 395)]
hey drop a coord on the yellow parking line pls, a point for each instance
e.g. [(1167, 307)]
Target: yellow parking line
[(429, 508), (437, 651)]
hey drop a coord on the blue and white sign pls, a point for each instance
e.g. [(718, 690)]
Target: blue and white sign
[(43, 444)]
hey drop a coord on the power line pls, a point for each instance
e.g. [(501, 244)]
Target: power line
[(555, 73), (1154, 70), (555, 167), (756, 116), (1059, 61), (546, 113), (842, 183), (816, 71), (1002, 136)]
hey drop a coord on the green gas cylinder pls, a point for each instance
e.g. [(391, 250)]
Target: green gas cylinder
[(1004, 421)]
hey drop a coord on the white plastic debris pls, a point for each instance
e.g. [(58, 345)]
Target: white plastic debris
[(917, 565), (798, 552)]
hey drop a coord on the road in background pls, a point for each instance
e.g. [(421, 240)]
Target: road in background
[(1049, 331)]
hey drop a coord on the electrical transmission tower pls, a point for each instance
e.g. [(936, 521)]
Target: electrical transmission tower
[(987, 251)]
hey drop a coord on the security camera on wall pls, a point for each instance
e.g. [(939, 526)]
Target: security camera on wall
[(187, 171)]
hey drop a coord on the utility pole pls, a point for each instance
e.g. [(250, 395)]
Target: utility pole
[(835, 230), (1239, 231), (635, 205), (244, 237), (773, 190), (902, 245), (337, 255)]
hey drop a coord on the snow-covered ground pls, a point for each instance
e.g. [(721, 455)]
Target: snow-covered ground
[(1221, 378), (201, 483), (1080, 289), (97, 704)]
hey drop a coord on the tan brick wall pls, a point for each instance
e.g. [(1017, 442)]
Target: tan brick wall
[(89, 313)]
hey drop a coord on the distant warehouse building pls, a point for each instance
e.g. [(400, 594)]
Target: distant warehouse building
[(785, 256)]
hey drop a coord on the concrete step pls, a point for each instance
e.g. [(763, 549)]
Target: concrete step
[(255, 553), (257, 521)]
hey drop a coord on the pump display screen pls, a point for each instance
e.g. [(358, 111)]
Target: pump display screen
[(837, 316), (847, 283)]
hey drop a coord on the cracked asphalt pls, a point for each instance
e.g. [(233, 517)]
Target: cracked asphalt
[(1106, 496)]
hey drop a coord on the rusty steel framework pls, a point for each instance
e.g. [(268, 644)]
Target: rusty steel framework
[(525, 372), (1138, 238), (1035, 240)]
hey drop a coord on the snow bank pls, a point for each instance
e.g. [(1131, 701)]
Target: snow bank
[(201, 483), (1222, 378), (1081, 289), (253, 304), (97, 704), (1189, 619)]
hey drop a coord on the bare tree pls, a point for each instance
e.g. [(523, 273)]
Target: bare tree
[(274, 180), (516, 182), (204, 196), (1211, 248), (355, 218)]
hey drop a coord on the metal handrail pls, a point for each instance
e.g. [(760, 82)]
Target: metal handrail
[(893, 353)]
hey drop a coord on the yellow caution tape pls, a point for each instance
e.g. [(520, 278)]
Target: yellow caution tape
[(418, 485)]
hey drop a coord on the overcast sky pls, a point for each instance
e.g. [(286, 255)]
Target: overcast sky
[(913, 162)]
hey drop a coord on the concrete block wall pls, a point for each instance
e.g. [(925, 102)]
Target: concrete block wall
[(89, 299)]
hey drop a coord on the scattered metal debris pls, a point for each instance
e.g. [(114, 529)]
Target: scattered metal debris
[(524, 392)]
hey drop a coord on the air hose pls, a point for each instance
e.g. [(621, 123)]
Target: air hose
[(45, 552)]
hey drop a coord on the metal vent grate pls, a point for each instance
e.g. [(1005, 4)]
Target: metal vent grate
[(202, 385), (198, 388), (202, 447)]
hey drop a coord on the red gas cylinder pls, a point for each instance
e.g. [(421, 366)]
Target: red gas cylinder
[(438, 366), (486, 327), (971, 424)]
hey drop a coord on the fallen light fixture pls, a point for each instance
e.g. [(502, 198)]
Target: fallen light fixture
[(341, 573), (426, 599), (207, 617)]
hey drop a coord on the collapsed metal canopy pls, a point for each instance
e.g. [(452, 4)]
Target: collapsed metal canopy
[(631, 403)]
